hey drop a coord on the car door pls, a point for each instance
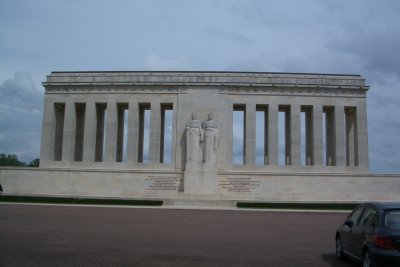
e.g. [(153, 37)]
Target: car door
[(349, 241), (362, 230)]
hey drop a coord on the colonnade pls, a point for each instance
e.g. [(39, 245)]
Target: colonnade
[(334, 135), (94, 131), (90, 131)]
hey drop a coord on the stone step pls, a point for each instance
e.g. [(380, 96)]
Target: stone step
[(200, 203)]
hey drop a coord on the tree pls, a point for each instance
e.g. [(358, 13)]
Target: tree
[(10, 160), (34, 163)]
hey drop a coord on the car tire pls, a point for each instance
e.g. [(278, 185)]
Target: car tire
[(339, 248), (366, 260)]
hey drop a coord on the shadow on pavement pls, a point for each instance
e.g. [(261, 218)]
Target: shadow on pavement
[(331, 259)]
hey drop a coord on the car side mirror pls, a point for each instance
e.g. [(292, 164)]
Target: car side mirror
[(349, 223)]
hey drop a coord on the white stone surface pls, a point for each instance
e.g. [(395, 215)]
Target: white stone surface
[(201, 165), (211, 136), (194, 140), (164, 185)]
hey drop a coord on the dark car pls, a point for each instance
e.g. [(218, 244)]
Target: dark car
[(371, 235)]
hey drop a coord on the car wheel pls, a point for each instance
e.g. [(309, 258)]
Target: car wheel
[(367, 259), (339, 248)]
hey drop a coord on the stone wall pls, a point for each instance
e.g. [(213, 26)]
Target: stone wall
[(165, 185)]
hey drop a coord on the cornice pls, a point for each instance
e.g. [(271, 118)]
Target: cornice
[(219, 79), (269, 90)]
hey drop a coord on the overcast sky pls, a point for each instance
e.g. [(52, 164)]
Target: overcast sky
[(341, 36)]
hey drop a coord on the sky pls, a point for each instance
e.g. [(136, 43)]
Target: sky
[(309, 36)]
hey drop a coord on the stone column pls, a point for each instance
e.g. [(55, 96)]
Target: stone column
[(133, 132), (264, 110), (250, 134), (273, 134), (89, 136), (228, 158), (80, 112), (295, 134), (288, 136), (69, 132), (155, 132), (340, 141), (120, 131), (317, 135), (362, 135), (110, 151), (175, 136), (309, 135), (329, 136), (48, 129), (351, 135)]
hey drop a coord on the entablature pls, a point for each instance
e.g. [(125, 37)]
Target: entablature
[(225, 80)]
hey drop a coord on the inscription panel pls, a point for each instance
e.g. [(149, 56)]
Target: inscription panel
[(163, 183), (238, 184)]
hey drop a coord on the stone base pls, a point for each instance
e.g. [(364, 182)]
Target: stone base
[(200, 202), (200, 178), (201, 187), (200, 182)]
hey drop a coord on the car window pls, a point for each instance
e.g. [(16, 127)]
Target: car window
[(355, 215), (368, 217), (392, 219)]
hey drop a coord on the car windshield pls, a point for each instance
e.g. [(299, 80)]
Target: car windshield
[(392, 219)]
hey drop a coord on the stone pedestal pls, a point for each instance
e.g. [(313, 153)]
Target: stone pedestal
[(200, 178)]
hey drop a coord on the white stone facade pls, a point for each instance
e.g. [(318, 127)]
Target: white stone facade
[(75, 103), (90, 149)]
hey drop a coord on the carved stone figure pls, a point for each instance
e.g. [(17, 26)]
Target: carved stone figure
[(194, 139), (210, 128)]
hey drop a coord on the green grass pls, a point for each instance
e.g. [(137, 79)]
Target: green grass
[(66, 200), (297, 206)]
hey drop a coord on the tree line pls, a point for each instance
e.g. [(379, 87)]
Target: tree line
[(12, 160)]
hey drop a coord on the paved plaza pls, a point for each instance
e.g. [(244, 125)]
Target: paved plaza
[(52, 235)]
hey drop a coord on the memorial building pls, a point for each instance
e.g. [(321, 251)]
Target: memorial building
[(191, 136)]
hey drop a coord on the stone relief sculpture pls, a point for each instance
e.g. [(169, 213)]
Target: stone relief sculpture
[(201, 140), (194, 139), (210, 128)]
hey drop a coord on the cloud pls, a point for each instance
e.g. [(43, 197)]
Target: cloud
[(20, 117), (376, 53), (384, 124), (370, 36), (229, 36), (20, 92), (359, 37), (156, 62)]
